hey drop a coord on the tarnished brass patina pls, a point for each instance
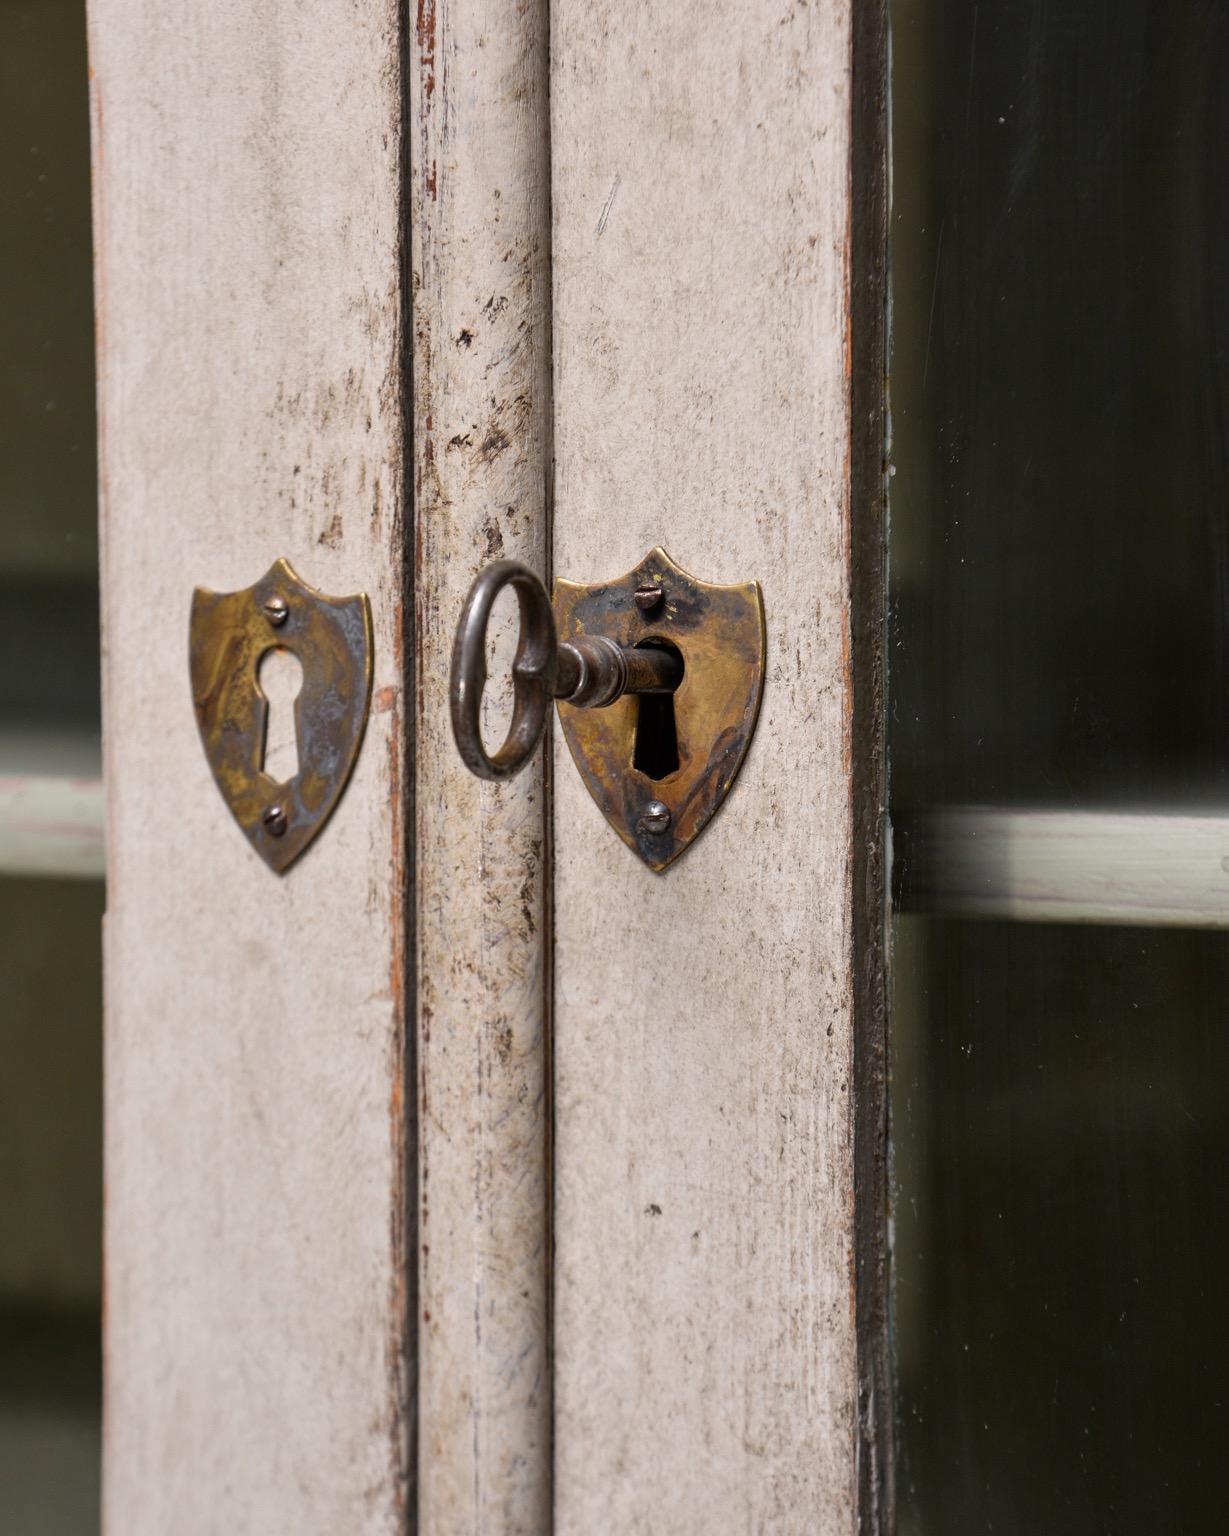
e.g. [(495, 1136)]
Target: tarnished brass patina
[(719, 633), (658, 679), (331, 638)]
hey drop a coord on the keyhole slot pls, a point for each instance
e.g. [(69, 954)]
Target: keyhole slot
[(280, 677), (655, 751)]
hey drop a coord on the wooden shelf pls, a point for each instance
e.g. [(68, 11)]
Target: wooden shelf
[(51, 804), (1140, 868)]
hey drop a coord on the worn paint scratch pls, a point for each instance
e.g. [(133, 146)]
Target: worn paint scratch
[(608, 205)]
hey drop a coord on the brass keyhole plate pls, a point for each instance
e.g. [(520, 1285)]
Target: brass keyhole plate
[(331, 639), (720, 633)]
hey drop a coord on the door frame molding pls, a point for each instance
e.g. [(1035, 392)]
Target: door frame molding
[(876, 1470)]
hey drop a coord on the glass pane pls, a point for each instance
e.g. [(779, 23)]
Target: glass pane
[(1061, 1228), (50, 939), (1060, 609), (1059, 391)]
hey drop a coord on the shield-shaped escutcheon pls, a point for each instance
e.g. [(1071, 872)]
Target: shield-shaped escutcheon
[(660, 800), (331, 639)]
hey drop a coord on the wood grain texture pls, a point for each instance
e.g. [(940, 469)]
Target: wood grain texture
[(480, 222), (705, 1348), (247, 173)]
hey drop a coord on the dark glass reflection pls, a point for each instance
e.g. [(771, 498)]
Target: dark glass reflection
[(50, 938), (1060, 611), (1061, 1231)]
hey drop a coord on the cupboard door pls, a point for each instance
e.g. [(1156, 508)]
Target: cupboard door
[(248, 232), (706, 1364)]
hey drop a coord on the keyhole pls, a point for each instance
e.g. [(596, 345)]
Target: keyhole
[(656, 749), (280, 677)]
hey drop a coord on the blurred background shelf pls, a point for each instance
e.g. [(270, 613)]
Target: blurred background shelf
[(51, 821), (1136, 868), (51, 803)]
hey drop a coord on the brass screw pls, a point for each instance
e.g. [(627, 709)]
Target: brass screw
[(276, 611), (648, 598), (275, 820), (655, 817)]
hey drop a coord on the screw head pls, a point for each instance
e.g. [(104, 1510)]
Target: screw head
[(276, 821), (655, 817), (276, 611), (648, 597)]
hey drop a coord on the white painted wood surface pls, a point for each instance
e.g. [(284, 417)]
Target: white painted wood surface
[(480, 245), (247, 175), (705, 1351)]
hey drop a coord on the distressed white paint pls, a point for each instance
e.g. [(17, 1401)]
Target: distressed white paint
[(247, 184), (705, 1356), (480, 241)]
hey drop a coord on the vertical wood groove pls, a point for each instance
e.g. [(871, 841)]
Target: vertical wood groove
[(408, 1203), (480, 236)]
